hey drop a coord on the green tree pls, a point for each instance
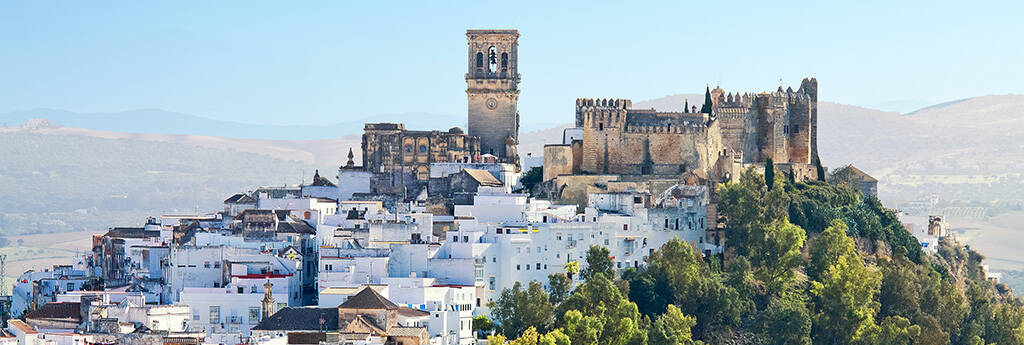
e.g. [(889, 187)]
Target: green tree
[(749, 207), (787, 321), (600, 298), (826, 249), (671, 328), (559, 285), (555, 337), (776, 253), (532, 177), (529, 337), (769, 173), (677, 274), (896, 330), (517, 309), (598, 262), (845, 293), (482, 325), (582, 330), (496, 339)]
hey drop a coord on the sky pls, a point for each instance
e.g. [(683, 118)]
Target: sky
[(312, 62)]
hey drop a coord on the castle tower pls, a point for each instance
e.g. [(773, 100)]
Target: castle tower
[(492, 90)]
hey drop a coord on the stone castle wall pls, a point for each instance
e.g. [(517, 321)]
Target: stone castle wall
[(621, 140)]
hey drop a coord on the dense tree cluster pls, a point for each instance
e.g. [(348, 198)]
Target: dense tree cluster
[(806, 263)]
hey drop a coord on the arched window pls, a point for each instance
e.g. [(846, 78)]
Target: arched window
[(307, 215), (504, 62), (492, 59), (479, 60)]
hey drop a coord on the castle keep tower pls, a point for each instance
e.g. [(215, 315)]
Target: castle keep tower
[(492, 90)]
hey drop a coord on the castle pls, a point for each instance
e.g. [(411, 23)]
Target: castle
[(729, 131)]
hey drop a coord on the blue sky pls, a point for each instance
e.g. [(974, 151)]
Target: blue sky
[(309, 62)]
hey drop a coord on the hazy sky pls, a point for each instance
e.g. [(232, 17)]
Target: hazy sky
[(324, 62)]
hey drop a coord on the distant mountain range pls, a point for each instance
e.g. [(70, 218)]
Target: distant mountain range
[(155, 121)]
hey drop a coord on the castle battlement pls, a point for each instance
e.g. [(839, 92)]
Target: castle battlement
[(603, 103)]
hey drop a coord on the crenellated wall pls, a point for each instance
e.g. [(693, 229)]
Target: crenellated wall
[(620, 140)]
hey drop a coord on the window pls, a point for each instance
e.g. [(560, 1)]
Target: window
[(666, 223), (494, 259), (492, 59), (637, 200), (216, 264), (519, 250), (195, 315), (306, 215), (479, 60), (423, 148), (606, 242), (498, 231), (490, 283), (504, 61), (545, 219), (254, 315), (600, 127), (252, 289), (241, 289), (625, 226), (71, 286), (527, 267), (214, 314), (465, 239), (545, 266), (206, 264), (538, 265), (517, 267)]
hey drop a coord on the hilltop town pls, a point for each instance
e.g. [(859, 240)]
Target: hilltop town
[(421, 240)]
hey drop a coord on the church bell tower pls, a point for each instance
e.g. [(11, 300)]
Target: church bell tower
[(492, 89)]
